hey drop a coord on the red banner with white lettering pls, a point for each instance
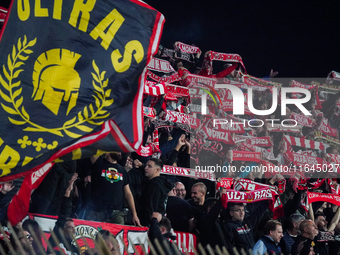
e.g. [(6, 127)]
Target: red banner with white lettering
[(18, 208), (330, 198)]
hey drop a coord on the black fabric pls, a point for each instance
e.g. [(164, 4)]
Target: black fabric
[(108, 192), (48, 197), (302, 246), (197, 209), (241, 233), (154, 198), (179, 212), (136, 180)]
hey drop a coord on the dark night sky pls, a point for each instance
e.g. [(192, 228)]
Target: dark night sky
[(296, 38)]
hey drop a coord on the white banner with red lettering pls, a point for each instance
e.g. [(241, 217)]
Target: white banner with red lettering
[(193, 173), (263, 141), (160, 65), (170, 79), (187, 48), (217, 135), (226, 57), (303, 160), (302, 119), (326, 129), (244, 156), (333, 158)]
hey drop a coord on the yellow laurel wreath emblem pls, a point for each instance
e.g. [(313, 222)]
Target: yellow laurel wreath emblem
[(92, 114)]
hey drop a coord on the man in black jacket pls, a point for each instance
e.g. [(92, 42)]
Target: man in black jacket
[(304, 243), (155, 192), (240, 230)]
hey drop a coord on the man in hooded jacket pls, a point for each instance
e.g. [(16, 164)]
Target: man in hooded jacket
[(155, 192)]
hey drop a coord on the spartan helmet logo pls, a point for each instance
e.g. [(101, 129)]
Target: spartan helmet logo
[(54, 79)]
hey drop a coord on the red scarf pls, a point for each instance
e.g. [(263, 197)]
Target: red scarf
[(245, 156), (160, 65), (187, 48)]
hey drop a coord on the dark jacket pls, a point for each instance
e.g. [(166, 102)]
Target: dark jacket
[(154, 198), (302, 246)]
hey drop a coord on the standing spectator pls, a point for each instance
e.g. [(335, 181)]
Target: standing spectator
[(49, 196), (290, 236), (321, 244), (110, 185), (198, 191), (155, 192), (304, 243), (239, 229), (179, 213), (268, 244)]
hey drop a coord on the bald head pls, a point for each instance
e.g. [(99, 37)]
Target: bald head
[(308, 229)]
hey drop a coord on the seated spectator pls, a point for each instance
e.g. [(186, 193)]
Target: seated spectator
[(160, 230), (21, 241), (64, 230), (106, 243), (31, 225), (269, 243)]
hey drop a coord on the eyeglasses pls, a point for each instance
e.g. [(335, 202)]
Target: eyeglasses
[(27, 236), (180, 190)]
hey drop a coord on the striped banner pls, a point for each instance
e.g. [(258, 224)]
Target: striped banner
[(302, 142), (154, 88)]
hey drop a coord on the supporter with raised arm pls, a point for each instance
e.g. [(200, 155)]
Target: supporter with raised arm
[(179, 213), (110, 186)]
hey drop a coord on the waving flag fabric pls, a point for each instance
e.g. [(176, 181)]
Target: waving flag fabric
[(72, 76)]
